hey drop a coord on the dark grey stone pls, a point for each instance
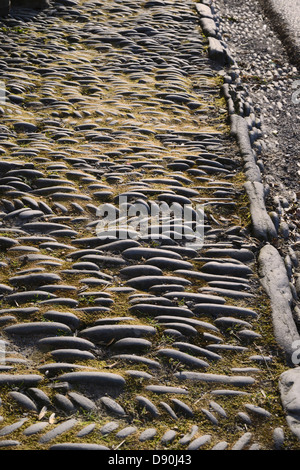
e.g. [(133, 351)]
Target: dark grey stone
[(218, 408), (199, 442), (103, 379), (197, 351), (228, 393), (227, 292), (4, 289), (68, 318), (244, 417), (168, 409), (86, 430), (58, 430), (189, 321), (9, 443), (145, 282), (168, 437), (161, 389), (131, 344), (126, 432), (220, 446), (35, 428), (169, 264), (147, 253), (183, 328), (54, 368), (109, 427), (120, 246), (65, 301), (148, 434), (112, 261), (108, 332), (238, 381), (278, 438), (182, 408), (28, 296), (28, 380), (227, 322), (43, 227), (192, 297), (23, 401), (137, 359), (186, 439), (230, 269), (67, 342), (160, 310), (242, 442), (77, 446), (210, 416), (263, 227), (7, 319), (242, 254), (140, 270), (37, 328), (183, 358), (230, 310), (112, 320), (139, 374), (217, 52), (208, 26), (63, 403), (248, 335), (144, 402), (39, 396), (257, 410), (82, 401), (72, 355), (5, 7), (12, 427), (273, 277), (227, 347), (113, 406)]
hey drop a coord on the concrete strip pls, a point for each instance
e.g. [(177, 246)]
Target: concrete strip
[(241, 133), (276, 283), (262, 225), (285, 19)]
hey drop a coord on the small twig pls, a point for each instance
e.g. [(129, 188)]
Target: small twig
[(119, 445)]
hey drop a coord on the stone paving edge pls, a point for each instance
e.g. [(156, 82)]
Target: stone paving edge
[(271, 268)]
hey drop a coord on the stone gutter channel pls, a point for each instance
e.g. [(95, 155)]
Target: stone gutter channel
[(112, 342), (273, 269)]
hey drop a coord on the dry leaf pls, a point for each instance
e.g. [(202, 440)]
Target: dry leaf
[(42, 412)]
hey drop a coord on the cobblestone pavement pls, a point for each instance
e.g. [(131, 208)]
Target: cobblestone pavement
[(127, 341)]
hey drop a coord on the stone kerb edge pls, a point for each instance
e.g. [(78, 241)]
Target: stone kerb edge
[(272, 270), (243, 126)]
